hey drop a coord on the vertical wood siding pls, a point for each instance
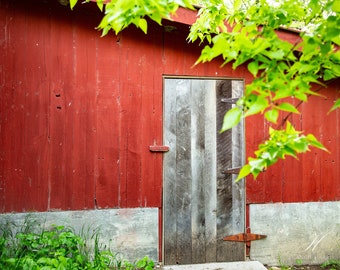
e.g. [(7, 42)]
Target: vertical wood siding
[(79, 112), (316, 175)]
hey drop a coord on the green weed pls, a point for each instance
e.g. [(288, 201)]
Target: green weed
[(31, 247), (331, 265)]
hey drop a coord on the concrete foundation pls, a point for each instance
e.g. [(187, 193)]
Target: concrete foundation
[(251, 265), (297, 233), (132, 233)]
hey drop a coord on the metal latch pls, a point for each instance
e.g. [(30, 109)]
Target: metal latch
[(159, 148), (230, 100), (244, 237), (235, 170)]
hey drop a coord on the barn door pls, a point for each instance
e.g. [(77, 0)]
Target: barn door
[(201, 202)]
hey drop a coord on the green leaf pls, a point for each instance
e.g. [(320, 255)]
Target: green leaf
[(336, 6), (314, 142), (231, 118), (156, 17), (259, 105), (257, 164), (100, 4), (272, 115), (300, 146), (237, 4), (245, 171), (278, 55), (336, 40), (73, 3), (143, 25), (284, 106), (286, 150), (335, 106), (253, 68), (328, 75)]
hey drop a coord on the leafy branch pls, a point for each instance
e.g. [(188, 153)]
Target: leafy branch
[(280, 69), (281, 143)]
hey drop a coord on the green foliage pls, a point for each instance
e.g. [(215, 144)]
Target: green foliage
[(281, 143), (336, 105), (119, 14), (34, 248), (280, 69), (331, 265), (246, 33), (73, 3)]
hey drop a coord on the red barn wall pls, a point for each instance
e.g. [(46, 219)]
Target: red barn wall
[(79, 112)]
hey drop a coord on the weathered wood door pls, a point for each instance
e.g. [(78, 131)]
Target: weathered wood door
[(201, 202)]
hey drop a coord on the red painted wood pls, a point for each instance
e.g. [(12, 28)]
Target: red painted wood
[(151, 110), (12, 115), (79, 112), (108, 125), (36, 102), (185, 16), (57, 182)]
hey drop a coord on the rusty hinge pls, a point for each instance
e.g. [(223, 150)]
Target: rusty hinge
[(233, 170), (230, 100), (159, 148), (244, 237)]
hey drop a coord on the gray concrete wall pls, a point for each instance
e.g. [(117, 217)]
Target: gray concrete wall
[(307, 233), (133, 232)]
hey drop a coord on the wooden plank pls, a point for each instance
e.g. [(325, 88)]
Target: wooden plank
[(311, 182), (108, 110), (130, 121), (12, 111), (61, 80), (198, 200), (152, 111), (237, 161), (223, 155), (35, 150), (238, 189), (331, 140), (183, 172), (209, 171), (81, 119), (170, 168), (255, 190), (224, 182)]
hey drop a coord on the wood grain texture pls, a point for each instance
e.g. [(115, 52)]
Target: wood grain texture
[(198, 205), (183, 192), (226, 251), (198, 148), (210, 171)]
